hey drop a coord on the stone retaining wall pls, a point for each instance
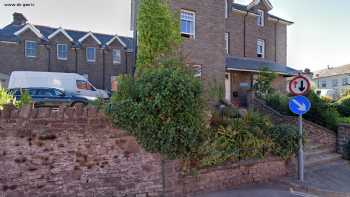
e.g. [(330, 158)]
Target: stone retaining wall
[(77, 152), (343, 137)]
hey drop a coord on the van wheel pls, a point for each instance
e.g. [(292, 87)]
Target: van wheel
[(78, 104)]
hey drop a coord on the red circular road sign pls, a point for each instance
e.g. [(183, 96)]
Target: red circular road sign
[(299, 85)]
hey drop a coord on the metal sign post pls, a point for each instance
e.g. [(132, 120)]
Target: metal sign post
[(299, 105), (301, 150)]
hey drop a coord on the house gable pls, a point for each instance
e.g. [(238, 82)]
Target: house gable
[(116, 38), (90, 34), (255, 3), (31, 28), (60, 30)]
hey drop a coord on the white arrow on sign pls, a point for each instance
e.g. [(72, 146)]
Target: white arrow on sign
[(301, 107)]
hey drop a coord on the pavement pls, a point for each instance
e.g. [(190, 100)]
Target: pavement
[(330, 180), (260, 190)]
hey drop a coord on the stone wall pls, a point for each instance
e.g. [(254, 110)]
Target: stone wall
[(77, 152), (343, 137), (314, 132)]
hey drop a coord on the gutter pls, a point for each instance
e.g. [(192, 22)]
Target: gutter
[(244, 34), (49, 58), (103, 68), (76, 59)]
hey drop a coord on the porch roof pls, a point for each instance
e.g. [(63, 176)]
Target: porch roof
[(253, 65)]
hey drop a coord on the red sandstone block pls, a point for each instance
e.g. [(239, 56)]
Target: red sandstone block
[(43, 113), (25, 111)]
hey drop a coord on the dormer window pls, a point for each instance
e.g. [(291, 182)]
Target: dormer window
[(260, 18)]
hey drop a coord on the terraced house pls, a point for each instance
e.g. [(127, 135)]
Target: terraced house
[(230, 43), (28, 47)]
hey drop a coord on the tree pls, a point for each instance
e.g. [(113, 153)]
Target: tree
[(263, 85), (158, 32)]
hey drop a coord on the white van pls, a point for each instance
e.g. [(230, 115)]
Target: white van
[(69, 82)]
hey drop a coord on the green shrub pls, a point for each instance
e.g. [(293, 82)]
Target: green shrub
[(278, 102), (322, 113), (243, 138), (163, 109), (25, 99), (6, 98), (343, 106), (285, 139)]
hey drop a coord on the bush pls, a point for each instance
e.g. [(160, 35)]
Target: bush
[(343, 106), (278, 102), (26, 99), (6, 98), (244, 138), (163, 109), (322, 113), (285, 139)]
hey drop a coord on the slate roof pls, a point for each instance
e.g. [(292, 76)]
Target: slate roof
[(7, 34), (341, 70), (245, 9), (253, 65)]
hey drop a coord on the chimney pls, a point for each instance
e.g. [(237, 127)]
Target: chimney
[(19, 19)]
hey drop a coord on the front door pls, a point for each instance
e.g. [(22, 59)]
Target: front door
[(228, 87)]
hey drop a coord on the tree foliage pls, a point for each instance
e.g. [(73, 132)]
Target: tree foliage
[(163, 109), (158, 32), (263, 85)]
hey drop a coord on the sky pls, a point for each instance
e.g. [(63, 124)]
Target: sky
[(319, 37)]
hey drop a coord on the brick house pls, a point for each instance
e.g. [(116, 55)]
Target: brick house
[(231, 43), (28, 47)]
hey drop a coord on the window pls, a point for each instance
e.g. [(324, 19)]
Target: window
[(260, 48), (30, 48), (116, 56), (84, 85), (197, 70), (260, 18), (62, 51), (323, 84), (227, 42), (335, 82), (345, 81), (91, 54), (188, 19)]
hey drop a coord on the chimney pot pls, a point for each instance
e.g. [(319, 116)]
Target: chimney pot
[(19, 19)]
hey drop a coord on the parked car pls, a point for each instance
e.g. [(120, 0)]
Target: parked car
[(71, 83), (50, 97)]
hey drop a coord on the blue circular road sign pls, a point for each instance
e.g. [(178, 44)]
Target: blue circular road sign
[(299, 105)]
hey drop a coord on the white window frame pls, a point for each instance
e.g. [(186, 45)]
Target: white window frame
[(323, 82), (260, 18), (345, 81), (227, 43), (26, 48), (58, 52), (191, 34), (87, 54), (116, 56), (197, 70), (260, 43)]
